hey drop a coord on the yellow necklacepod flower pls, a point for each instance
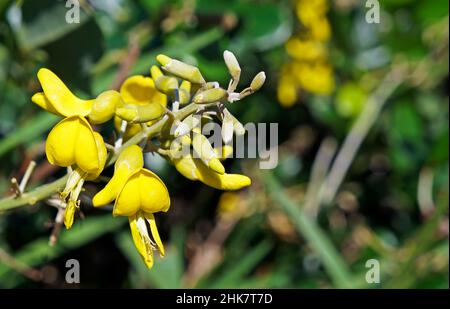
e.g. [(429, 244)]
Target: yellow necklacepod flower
[(72, 142), (138, 194), (142, 103)]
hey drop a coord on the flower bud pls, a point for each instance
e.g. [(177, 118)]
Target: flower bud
[(258, 81), (165, 84), (227, 127), (232, 64), (186, 126), (210, 96), (181, 69), (141, 113), (104, 106)]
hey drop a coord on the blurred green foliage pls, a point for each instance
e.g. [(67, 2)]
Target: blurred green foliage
[(377, 213)]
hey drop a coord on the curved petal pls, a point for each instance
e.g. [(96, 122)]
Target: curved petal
[(154, 229), (153, 192), (41, 100), (141, 242), (186, 167), (72, 141), (144, 191), (102, 155), (128, 201), (129, 161), (60, 97), (227, 182), (140, 90)]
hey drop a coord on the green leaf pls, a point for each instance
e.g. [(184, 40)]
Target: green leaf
[(28, 132), (240, 268)]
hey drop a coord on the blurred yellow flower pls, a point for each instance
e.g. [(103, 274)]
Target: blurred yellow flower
[(309, 68), (138, 194)]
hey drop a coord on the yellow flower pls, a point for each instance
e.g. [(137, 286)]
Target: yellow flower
[(140, 91), (309, 69), (138, 194), (72, 142)]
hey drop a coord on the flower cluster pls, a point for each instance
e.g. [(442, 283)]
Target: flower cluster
[(167, 111), (308, 68)]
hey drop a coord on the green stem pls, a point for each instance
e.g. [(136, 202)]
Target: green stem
[(30, 198), (45, 191)]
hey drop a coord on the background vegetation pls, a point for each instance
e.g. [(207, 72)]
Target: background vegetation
[(330, 205)]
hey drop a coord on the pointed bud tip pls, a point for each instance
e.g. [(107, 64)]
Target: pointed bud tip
[(216, 166), (163, 59)]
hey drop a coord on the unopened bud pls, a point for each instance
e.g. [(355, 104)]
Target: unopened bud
[(141, 113), (104, 106), (232, 64), (210, 96), (206, 152), (181, 69), (227, 127), (258, 81)]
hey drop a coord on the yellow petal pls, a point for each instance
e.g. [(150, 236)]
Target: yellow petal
[(72, 141), (128, 201), (142, 246), (154, 229), (143, 191), (140, 90), (186, 167), (195, 169), (227, 182), (129, 162), (102, 155), (60, 97), (41, 100), (153, 192)]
